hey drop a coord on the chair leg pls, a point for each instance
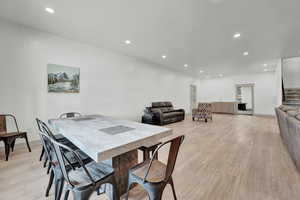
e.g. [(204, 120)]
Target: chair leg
[(7, 149), (13, 145), (27, 143), (50, 183), (67, 195), (155, 194), (60, 188), (173, 188), (42, 154), (128, 187), (82, 195), (49, 167), (45, 162), (115, 189)]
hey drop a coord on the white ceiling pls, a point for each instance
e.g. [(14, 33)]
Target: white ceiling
[(196, 32)]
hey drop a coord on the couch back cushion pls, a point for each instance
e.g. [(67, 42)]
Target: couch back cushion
[(165, 106), (288, 108)]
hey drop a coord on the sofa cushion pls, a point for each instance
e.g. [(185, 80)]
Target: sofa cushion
[(287, 108), (172, 114), (161, 104), (293, 113), (298, 116), (166, 109)]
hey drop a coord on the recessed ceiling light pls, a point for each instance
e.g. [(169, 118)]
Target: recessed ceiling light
[(50, 10), (246, 53), (236, 35), (164, 56), (127, 42), (185, 65), (201, 71), (265, 65)]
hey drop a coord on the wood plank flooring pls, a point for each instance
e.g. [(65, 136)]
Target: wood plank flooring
[(231, 158)]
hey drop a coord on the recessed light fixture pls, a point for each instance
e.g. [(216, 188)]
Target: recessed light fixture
[(236, 35), (50, 10), (164, 56), (201, 71), (185, 65), (127, 42), (246, 53), (265, 65)]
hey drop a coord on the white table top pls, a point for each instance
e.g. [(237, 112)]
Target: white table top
[(103, 137)]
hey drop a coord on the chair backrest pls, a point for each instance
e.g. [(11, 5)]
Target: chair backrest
[(69, 115), (60, 153), (43, 128), (3, 126), (173, 153), (45, 143)]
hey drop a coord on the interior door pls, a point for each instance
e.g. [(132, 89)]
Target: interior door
[(193, 97)]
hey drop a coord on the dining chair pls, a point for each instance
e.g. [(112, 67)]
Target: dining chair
[(53, 167), (62, 116), (70, 115), (154, 175), (86, 179), (43, 127), (9, 138)]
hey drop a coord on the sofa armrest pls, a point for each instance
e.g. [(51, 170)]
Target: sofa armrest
[(195, 111), (158, 115)]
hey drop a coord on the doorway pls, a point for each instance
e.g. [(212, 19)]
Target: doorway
[(245, 98), (193, 97)]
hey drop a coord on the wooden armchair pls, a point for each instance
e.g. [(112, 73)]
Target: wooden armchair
[(204, 111), (10, 138)]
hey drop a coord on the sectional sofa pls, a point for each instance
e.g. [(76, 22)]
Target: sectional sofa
[(289, 125)]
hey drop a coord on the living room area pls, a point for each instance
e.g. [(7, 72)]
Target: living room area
[(149, 100)]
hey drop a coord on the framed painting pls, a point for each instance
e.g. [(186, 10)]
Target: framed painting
[(63, 79)]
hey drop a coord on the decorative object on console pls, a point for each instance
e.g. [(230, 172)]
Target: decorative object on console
[(162, 113), (63, 79), (204, 111)]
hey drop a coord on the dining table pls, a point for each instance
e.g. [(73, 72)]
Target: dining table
[(110, 140)]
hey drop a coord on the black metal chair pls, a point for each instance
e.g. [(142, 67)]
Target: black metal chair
[(42, 128), (154, 175), (85, 180), (59, 136), (70, 115), (53, 167), (9, 138)]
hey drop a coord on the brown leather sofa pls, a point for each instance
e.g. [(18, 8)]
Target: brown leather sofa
[(289, 124), (161, 113)]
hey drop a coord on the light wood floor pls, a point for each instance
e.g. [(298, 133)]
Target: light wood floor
[(232, 158)]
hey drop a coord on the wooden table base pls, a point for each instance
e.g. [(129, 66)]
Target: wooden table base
[(121, 165)]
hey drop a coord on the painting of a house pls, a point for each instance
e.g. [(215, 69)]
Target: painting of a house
[(63, 79)]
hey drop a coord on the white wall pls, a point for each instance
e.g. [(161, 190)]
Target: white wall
[(223, 89), (111, 84)]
